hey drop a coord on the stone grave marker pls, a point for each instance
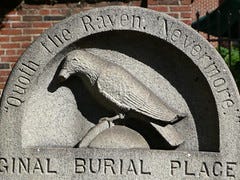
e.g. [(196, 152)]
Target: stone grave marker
[(120, 93)]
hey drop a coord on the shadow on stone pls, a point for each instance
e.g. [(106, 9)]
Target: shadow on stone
[(154, 139), (173, 65), (92, 111)]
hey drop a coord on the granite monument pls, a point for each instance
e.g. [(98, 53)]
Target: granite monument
[(120, 93)]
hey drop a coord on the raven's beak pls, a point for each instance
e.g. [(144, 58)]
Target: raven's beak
[(63, 75)]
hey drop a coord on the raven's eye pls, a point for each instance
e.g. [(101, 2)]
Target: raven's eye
[(74, 60)]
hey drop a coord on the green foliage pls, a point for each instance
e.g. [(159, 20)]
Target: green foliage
[(235, 61)]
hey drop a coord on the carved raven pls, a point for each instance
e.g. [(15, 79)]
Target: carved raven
[(120, 92)]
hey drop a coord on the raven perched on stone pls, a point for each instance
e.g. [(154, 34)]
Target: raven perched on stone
[(120, 92)]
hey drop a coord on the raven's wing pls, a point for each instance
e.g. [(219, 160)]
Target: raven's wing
[(120, 87)]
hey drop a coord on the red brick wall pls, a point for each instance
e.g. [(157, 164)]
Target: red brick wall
[(180, 9), (203, 6), (21, 26)]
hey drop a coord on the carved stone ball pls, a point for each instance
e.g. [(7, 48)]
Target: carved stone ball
[(119, 137)]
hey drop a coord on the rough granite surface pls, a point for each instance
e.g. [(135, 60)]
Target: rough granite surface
[(42, 121)]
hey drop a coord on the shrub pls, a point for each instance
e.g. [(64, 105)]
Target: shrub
[(235, 61)]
